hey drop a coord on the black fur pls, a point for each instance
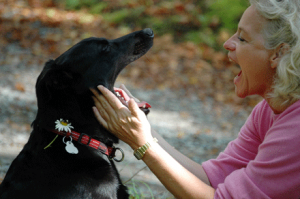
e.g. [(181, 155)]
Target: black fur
[(63, 92)]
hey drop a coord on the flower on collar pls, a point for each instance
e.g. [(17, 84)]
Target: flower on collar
[(63, 125)]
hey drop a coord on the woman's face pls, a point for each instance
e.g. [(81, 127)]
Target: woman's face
[(246, 48)]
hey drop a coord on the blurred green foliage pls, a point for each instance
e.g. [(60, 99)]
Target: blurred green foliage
[(187, 20), (77, 4), (228, 11)]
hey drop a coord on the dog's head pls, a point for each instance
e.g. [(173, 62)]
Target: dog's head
[(63, 86)]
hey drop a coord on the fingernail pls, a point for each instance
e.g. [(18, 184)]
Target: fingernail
[(100, 87), (95, 110)]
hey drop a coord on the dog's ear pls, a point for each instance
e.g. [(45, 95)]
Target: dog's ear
[(54, 81), (55, 77)]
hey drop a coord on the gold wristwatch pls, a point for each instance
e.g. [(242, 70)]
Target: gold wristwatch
[(140, 152)]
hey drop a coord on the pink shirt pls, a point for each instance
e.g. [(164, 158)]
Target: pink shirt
[(264, 161)]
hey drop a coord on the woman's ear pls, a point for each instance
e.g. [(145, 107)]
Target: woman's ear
[(278, 53)]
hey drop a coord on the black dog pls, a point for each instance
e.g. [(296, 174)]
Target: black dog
[(78, 164)]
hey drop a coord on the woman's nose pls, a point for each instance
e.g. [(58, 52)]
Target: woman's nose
[(229, 44)]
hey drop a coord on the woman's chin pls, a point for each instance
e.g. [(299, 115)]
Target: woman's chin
[(240, 93)]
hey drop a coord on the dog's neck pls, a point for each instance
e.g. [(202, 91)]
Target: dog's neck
[(78, 111)]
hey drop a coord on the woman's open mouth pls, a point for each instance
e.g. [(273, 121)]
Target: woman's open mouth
[(238, 77)]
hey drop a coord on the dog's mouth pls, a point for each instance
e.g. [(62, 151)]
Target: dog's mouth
[(144, 41), (124, 98)]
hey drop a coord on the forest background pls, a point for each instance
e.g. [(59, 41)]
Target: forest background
[(187, 61), (187, 52)]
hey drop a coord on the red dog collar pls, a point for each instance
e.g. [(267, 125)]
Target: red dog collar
[(84, 139)]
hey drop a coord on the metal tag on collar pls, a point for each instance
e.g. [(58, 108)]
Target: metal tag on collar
[(70, 148)]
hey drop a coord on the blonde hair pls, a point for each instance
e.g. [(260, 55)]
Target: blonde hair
[(283, 27)]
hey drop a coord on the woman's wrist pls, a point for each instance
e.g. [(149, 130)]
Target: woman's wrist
[(140, 151)]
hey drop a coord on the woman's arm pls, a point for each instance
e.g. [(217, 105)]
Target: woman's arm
[(186, 162), (131, 125), (176, 178)]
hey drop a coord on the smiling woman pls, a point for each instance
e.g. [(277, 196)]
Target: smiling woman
[(246, 48)]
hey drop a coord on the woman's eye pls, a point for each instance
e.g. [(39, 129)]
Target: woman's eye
[(241, 39)]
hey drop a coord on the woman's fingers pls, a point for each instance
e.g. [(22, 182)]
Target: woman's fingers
[(133, 107), (114, 102), (110, 111), (99, 117), (104, 107), (122, 86), (101, 108)]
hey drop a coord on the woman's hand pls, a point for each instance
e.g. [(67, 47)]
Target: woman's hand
[(131, 125), (128, 124)]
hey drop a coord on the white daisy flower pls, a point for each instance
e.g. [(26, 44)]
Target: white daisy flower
[(63, 125)]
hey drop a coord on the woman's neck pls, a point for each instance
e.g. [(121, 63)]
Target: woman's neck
[(276, 107)]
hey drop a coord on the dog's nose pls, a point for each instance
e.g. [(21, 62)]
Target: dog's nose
[(148, 32)]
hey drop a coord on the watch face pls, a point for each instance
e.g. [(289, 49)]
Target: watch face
[(138, 155)]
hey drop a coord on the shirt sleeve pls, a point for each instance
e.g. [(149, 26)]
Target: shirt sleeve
[(255, 168)]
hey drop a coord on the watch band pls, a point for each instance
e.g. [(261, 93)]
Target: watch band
[(140, 152)]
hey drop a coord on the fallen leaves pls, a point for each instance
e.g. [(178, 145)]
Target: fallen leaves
[(20, 87)]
